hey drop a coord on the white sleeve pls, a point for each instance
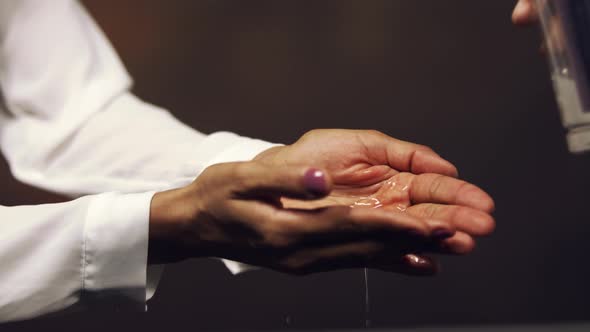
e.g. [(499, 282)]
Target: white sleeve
[(54, 256), (69, 124)]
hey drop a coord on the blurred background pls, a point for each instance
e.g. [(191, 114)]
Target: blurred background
[(455, 75)]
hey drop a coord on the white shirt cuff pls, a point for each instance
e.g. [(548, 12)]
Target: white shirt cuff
[(116, 245), (219, 147)]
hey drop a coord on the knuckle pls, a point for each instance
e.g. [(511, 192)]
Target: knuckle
[(464, 187), (430, 210), (241, 170), (214, 174), (375, 132), (436, 185), (313, 131), (211, 170), (242, 175), (310, 134)]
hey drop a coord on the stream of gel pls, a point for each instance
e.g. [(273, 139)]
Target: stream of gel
[(367, 300), (373, 203)]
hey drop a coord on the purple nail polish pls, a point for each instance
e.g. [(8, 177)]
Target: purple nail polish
[(416, 260), (442, 234), (412, 259), (422, 266), (315, 182)]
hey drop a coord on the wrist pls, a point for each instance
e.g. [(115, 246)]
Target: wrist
[(169, 219)]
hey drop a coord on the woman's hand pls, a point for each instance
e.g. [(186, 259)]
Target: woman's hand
[(372, 170), (303, 208), (233, 211)]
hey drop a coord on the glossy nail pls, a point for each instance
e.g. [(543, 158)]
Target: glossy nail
[(315, 182), (417, 261), (421, 266)]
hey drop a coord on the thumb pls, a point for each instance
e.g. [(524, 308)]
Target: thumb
[(524, 13), (299, 182)]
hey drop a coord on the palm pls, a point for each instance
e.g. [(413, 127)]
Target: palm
[(371, 170), (363, 174)]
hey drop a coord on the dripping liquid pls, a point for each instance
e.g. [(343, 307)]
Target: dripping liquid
[(367, 299), (392, 193)]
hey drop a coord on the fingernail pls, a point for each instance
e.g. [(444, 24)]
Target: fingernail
[(442, 234), (416, 260), (519, 8), (522, 8), (315, 182), (523, 12)]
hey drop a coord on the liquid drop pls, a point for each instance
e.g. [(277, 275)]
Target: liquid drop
[(367, 300)]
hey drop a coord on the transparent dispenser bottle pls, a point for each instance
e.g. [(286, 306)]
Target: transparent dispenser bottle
[(566, 26)]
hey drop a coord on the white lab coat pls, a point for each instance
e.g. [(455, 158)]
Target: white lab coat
[(69, 124)]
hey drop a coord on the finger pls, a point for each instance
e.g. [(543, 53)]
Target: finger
[(358, 255), (405, 156), (524, 13), (465, 219), (460, 244), (284, 229), (423, 162), (343, 224), (258, 179), (369, 250), (330, 258), (436, 188)]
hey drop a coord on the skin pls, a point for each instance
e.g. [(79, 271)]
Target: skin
[(270, 212), (374, 202), (524, 13)]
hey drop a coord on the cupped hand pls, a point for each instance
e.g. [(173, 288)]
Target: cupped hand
[(233, 211), (372, 170)]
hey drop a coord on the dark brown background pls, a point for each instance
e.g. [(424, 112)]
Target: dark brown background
[(451, 74)]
